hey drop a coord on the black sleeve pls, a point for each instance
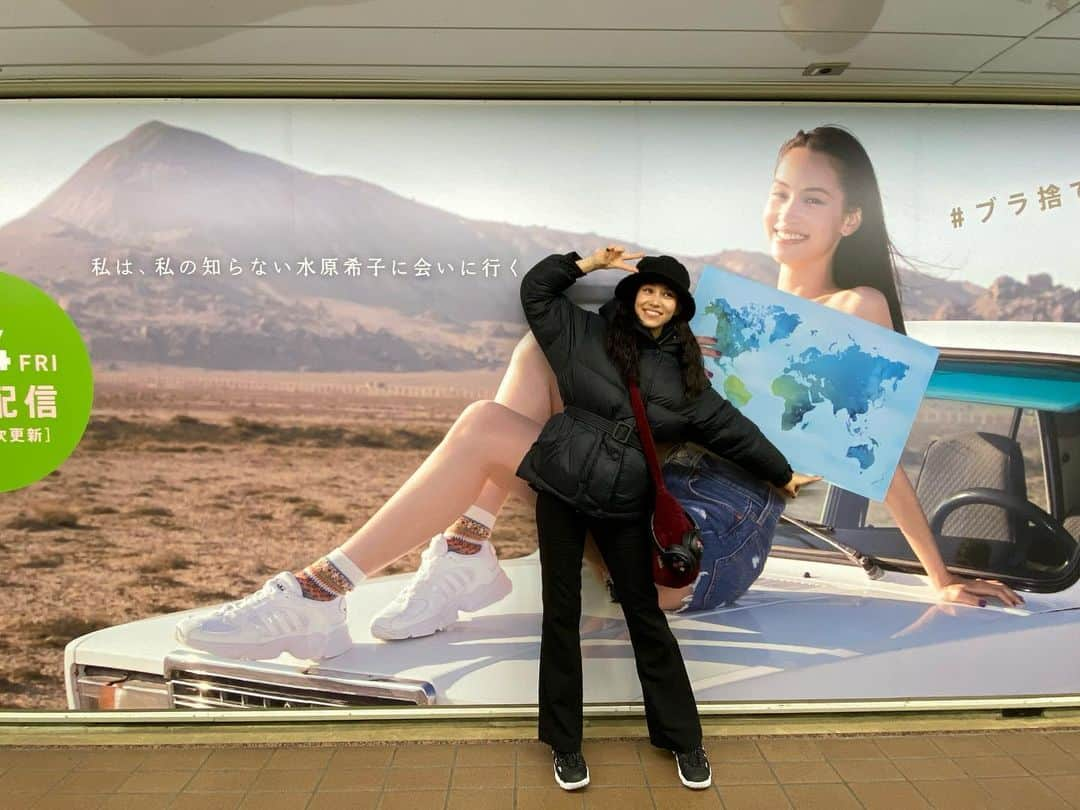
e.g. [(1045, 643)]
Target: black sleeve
[(721, 428), (555, 320)]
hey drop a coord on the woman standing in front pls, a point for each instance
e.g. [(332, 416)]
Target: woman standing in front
[(590, 472)]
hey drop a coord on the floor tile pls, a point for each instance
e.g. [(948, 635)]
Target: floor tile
[(423, 756), (413, 800), (486, 754), (180, 759), (612, 752), (1030, 742), (794, 750), (1067, 786), (492, 776), (742, 773), (989, 767), (19, 781), (286, 781), (353, 779), (912, 746), (966, 745), (535, 776), (1048, 763), (237, 759), (480, 799), (431, 777), (868, 770), (754, 797), (1067, 741), (797, 772), (267, 800), (955, 794), (664, 774), (300, 759), (862, 748), (1021, 793), (732, 751), (888, 796), (138, 801), (821, 797), (221, 781), (616, 775), (679, 798), (532, 753), (155, 782), (207, 801), (345, 800), (24, 800), (69, 801), (929, 769), (41, 760), (361, 756), (618, 798), (91, 782), (112, 759), (548, 798)]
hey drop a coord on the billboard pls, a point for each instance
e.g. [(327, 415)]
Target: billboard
[(292, 309)]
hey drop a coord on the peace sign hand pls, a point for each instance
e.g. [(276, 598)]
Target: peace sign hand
[(614, 256)]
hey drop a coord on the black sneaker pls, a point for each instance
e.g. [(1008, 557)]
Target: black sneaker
[(694, 770), (571, 772)]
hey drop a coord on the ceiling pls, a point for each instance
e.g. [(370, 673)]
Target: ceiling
[(939, 48)]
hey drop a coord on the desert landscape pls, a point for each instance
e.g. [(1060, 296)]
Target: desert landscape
[(193, 487)]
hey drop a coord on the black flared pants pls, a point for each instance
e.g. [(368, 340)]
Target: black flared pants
[(670, 709)]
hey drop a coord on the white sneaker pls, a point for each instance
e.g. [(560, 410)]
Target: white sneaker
[(444, 584), (275, 619)]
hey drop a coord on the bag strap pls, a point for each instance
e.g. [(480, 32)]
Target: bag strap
[(645, 432)]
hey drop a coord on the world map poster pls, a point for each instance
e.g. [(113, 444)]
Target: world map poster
[(835, 393)]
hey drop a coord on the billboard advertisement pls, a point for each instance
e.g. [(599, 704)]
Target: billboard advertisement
[(312, 386)]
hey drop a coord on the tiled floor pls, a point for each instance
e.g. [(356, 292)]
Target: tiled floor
[(1027, 770)]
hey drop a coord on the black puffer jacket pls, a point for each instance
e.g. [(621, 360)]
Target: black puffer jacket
[(586, 465)]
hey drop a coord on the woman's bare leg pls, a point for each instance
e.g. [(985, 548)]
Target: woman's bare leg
[(529, 388), (487, 442)]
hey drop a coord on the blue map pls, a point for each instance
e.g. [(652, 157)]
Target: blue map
[(835, 393)]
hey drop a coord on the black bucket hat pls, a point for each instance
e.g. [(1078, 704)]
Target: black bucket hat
[(659, 268)]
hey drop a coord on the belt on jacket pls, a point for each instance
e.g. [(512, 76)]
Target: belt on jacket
[(624, 432)]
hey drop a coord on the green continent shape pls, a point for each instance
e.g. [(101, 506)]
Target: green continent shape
[(796, 398), (736, 392)]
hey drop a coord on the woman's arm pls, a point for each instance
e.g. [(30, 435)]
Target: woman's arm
[(903, 505), (555, 320), (720, 427)]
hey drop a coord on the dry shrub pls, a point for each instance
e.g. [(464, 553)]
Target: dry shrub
[(58, 631), (44, 520), (165, 561), (152, 511)]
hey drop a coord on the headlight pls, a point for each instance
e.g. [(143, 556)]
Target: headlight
[(99, 688)]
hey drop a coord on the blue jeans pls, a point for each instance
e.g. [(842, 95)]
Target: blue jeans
[(737, 516)]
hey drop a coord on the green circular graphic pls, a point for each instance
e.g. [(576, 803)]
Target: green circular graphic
[(46, 384)]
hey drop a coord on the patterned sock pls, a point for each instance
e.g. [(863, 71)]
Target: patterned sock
[(469, 533), (329, 577)]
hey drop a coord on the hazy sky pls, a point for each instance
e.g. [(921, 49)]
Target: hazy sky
[(687, 178)]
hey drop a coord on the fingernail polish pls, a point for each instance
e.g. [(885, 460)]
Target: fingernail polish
[(982, 603)]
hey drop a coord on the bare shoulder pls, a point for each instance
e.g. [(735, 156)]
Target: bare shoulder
[(868, 303)]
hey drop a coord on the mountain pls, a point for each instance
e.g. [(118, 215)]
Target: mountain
[(164, 191), (1037, 299)]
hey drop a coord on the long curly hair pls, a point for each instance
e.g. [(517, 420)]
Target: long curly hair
[(866, 257), (622, 348)]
